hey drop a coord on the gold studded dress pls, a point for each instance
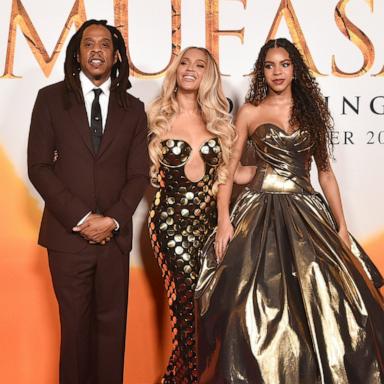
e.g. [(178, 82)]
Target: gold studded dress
[(289, 303), (181, 218)]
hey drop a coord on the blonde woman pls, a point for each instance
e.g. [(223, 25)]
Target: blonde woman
[(190, 140)]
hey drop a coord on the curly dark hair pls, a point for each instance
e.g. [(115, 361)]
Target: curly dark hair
[(309, 108), (120, 70)]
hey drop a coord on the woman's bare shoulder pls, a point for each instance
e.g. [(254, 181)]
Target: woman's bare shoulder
[(250, 112), (250, 115)]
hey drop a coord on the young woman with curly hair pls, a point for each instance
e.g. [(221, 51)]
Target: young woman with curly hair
[(190, 141), (285, 294)]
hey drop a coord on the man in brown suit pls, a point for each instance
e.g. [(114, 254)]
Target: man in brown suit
[(88, 158)]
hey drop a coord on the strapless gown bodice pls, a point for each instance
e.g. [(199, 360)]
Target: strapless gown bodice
[(283, 160), (176, 152)]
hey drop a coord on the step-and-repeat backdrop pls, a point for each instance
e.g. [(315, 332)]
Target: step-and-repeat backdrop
[(343, 43)]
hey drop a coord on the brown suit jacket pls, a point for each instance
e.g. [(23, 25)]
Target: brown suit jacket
[(111, 182)]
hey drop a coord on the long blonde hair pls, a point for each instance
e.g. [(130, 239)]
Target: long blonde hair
[(214, 110)]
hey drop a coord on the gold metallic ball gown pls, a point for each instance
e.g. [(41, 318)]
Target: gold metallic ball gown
[(182, 216), (289, 303)]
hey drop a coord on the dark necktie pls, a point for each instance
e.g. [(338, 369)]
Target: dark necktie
[(96, 121)]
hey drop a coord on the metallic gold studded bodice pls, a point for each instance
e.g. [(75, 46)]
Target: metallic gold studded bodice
[(181, 217)]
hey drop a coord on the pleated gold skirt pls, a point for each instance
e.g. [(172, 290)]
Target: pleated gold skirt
[(289, 303)]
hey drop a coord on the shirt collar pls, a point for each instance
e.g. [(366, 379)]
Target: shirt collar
[(87, 86)]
